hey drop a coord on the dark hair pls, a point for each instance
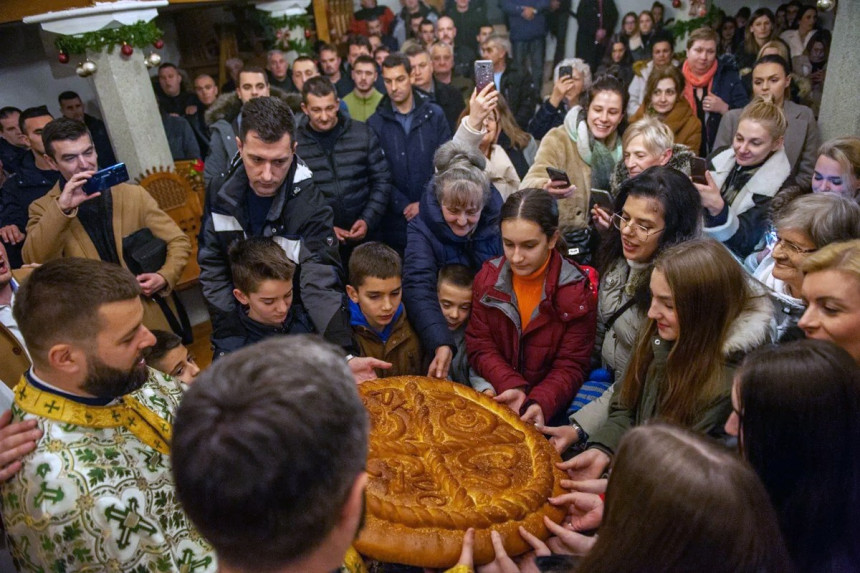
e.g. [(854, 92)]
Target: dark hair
[(267, 446), (256, 259), (30, 112), (63, 129), (319, 86), (774, 59), (803, 10), (425, 21), (167, 65), (253, 70), (66, 96), (7, 111), (393, 60), (304, 59), (669, 72), (324, 47), (799, 411), (373, 259), (412, 48), (358, 40), (606, 83), (363, 59), (750, 45), (270, 117), (165, 341), (626, 59), (382, 48), (661, 37), (676, 502), (60, 301), (535, 205), (823, 37), (744, 12), (681, 207), (458, 275)]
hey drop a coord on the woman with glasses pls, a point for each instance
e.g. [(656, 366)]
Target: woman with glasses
[(655, 210), (796, 413), (745, 178), (705, 315), (805, 225)]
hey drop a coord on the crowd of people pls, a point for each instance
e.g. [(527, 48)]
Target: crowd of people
[(657, 265)]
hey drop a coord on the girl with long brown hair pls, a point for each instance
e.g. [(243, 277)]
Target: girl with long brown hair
[(704, 317)]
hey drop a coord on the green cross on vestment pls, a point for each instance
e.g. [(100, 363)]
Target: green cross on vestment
[(130, 521)]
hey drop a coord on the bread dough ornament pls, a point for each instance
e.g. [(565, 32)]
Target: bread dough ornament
[(444, 458)]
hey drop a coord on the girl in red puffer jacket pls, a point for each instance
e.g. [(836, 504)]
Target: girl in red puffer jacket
[(533, 314)]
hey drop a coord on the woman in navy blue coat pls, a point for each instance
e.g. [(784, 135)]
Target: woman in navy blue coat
[(458, 223)]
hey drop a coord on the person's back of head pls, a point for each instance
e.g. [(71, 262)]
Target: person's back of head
[(798, 424), (268, 454), (676, 502)]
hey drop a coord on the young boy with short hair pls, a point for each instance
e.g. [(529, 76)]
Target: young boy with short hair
[(454, 289), (379, 324), (263, 285)]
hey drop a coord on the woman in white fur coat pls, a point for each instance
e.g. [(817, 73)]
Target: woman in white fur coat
[(745, 178)]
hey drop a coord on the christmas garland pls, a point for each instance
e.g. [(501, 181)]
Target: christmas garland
[(139, 34), (680, 28), (278, 32)]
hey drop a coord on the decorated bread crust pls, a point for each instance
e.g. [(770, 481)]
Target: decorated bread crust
[(444, 458)]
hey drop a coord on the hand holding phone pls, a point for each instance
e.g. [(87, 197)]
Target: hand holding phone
[(483, 74), (557, 175), (603, 199), (106, 178), (698, 168)]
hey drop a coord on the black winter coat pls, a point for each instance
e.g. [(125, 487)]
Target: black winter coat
[(354, 179), (300, 222), (520, 93)]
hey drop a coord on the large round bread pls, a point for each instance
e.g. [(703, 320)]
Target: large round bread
[(444, 458)]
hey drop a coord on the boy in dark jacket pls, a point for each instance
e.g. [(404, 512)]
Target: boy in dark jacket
[(263, 281), (379, 324)]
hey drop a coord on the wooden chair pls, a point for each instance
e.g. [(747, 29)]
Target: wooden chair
[(176, 197)]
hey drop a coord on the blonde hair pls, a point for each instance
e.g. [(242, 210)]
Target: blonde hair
[(656, 135), (703, 34), (779, 46), (846, 152), (767, 113), (844, 257)]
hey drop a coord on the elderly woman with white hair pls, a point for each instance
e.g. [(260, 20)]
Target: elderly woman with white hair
[(566, 90)]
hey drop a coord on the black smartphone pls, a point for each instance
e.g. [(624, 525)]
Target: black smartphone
[(483, 74), (565, 71), (106, 178), (602, 199), (558, 175), (698, 167)]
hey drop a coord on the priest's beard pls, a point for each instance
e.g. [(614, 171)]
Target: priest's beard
[(105, 381)]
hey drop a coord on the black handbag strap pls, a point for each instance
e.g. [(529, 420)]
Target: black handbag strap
[(181, 325), (621, 310)]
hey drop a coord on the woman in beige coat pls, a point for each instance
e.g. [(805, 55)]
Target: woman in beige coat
[(586, 147)]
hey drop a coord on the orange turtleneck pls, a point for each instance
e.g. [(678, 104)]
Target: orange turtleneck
[(528, 290)]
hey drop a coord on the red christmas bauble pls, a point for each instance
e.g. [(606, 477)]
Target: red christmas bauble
[(159, 43), (127, 50), (676, 3), (308, 34), (63, 57)]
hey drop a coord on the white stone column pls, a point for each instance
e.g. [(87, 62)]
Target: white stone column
[(121, 83), (838, 115)]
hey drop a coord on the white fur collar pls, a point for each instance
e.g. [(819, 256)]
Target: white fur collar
[(756, 325), (766, 181)]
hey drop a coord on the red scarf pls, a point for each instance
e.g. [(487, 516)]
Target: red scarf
[(695, 81)]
